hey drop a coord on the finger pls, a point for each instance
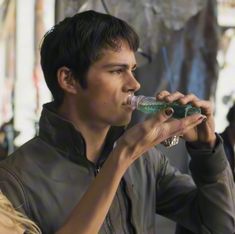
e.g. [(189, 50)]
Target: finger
[(189, 98), (152, 129), (181, 126), (159, 118), (175, 127), (170, 97), (206, 106), (162, 94), (162, 116), (194, 123)]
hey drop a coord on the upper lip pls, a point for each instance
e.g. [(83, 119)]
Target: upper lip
[(127, 102)]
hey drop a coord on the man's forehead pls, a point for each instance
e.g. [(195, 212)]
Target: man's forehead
[(122, 65), (123, 57), (140, 60)]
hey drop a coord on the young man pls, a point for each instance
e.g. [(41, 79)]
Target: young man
[(86, 169)]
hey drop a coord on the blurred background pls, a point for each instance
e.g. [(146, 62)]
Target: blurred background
[(186, 45)]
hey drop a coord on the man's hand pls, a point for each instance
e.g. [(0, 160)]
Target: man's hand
[(159, 127), (202, 134)]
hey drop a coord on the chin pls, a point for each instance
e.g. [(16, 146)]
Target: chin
[(122, 122), (122, 119)]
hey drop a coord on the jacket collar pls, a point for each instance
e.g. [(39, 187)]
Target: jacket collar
[(61, 134)]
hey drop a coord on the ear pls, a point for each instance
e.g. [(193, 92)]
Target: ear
[(66, 80)]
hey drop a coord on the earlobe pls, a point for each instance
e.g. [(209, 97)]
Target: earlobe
[(66, 80)]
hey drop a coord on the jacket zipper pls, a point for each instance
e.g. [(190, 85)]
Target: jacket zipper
[(97, 170)]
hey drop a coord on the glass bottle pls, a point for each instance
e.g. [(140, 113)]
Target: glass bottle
[(151, 105)]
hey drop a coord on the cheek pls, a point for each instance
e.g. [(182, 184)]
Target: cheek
[(105, 94), (102, 103), (105, 104)]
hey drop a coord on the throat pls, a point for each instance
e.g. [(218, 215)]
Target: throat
[(95, 144), (94, 154)]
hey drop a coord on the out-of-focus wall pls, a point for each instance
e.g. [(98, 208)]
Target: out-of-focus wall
[(22, 87)]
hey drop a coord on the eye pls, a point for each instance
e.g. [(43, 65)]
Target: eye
[(133, 73), (117, 72)]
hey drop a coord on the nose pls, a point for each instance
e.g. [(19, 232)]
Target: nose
[(131, 84)]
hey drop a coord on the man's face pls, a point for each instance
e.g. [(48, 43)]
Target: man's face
[(110, 81)]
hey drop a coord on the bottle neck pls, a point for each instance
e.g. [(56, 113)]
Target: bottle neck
[(134, 101)]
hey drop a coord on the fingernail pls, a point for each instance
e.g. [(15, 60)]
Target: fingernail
[(169, 111)]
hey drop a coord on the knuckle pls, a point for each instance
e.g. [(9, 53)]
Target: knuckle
[(178, 93), (163, 93)]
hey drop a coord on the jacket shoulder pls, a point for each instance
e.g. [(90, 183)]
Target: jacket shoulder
[(12, 171), (12, 187)]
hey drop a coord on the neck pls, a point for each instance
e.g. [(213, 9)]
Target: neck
[(94, 134), (95, 139)]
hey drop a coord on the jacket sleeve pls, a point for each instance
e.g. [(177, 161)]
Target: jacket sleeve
[(204, 204), (12, 188)]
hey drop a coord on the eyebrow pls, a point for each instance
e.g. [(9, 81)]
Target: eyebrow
[(123, 65)]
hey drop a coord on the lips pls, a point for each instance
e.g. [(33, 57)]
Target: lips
[(127, 102), (128, 99)]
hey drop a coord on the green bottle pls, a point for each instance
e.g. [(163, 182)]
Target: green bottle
[(151, 105)]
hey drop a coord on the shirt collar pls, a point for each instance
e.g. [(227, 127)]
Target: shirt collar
[(61, 134)]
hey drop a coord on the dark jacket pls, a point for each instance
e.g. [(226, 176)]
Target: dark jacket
[(46, 177), (229, 150)]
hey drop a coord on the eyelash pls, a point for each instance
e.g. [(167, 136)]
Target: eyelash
[(116, 71), (121, 71), (133, 73)]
